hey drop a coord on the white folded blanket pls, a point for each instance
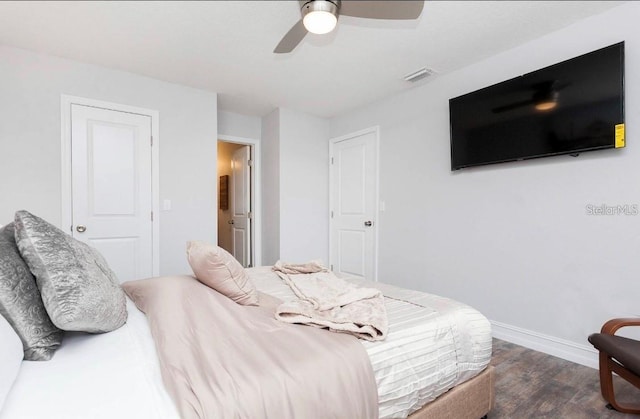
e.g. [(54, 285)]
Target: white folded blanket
[(330, 302)]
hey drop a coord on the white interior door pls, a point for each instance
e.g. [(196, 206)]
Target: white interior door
[(112, 187), (353, 220), (241, 205)]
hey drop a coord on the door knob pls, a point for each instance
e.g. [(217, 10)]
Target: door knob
[(368, 223), (231, 222), (81, 228)]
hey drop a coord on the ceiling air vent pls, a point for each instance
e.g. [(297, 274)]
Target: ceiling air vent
[(419, 74)]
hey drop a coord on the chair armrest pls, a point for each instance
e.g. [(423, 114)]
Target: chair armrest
[(613, 325)]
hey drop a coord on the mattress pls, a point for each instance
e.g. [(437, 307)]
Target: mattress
[(434, 343)]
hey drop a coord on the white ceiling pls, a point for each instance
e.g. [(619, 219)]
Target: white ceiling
[(226, 46)]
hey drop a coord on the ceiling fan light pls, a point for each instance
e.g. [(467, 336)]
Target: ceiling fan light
[(546, 106), (320, 16), (546, 100), (320, 22)]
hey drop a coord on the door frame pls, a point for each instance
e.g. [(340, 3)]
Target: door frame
[(256, 194), (66, 188), (332, 142)]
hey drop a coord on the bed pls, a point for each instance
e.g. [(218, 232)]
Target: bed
[(433, 364), (212, 344), (434, 345)]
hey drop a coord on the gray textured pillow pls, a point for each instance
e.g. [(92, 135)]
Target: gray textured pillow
[(79, 290), (20, 302)]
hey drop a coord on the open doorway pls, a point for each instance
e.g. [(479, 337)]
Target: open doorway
[(237, 200)]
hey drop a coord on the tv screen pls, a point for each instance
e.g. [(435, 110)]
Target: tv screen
[(570, 107)]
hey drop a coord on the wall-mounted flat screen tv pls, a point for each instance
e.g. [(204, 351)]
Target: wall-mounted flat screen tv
[(567, 108)]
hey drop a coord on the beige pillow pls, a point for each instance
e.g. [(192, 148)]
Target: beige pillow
[(216, 268)]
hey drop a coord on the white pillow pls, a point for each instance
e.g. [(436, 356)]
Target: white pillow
[(11, 354)]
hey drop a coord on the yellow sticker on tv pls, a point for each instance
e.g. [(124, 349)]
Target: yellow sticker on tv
[(619, 135)]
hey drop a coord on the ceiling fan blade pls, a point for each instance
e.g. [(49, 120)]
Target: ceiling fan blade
[(291, 40), (512, 106), (390, 9)]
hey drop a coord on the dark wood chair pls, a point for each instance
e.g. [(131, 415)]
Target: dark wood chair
[(620, 355)]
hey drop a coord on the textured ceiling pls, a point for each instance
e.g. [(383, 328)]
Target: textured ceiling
[(226, 46)]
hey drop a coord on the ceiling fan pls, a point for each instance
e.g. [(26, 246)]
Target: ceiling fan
[(544, 97), (321, 16)]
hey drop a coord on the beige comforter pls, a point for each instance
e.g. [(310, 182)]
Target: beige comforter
[(223, 360)]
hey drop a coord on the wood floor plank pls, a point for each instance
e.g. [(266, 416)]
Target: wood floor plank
[(530, 384)]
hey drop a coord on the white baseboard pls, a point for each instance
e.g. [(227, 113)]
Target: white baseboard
[(571, 351)]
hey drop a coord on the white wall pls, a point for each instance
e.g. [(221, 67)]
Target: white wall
[(238, 125), (270, 187), (304, 187), (295, 186), (513, 240), (30, 88)]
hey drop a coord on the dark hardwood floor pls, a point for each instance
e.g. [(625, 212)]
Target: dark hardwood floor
[(531, 384)]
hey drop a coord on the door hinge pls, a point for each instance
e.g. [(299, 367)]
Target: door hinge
[(152, 141), (250, 163), (331, 160), (331, 214), (151, 215), (250, 215), (332, 267)]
